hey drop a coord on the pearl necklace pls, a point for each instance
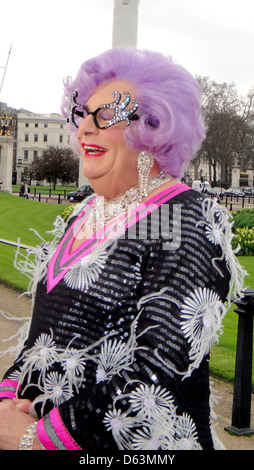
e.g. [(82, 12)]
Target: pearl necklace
[(102, 212)]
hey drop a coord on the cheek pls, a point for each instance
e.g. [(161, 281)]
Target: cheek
[(79, 136), (115, 135), (116, 142)]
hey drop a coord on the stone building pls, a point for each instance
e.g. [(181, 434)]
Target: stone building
[(6, 154), (125, 23), (37, 132), (239, 177)]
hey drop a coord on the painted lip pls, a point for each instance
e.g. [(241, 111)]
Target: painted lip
[(92, 150)]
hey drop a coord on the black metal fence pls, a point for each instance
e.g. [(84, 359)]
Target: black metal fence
[(49, 196), (241, 411), (9, 242), (230, 200)]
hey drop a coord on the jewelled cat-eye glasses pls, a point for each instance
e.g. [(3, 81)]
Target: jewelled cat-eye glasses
[(107, 114)]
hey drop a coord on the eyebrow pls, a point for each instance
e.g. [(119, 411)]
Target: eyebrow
[(85, 106)]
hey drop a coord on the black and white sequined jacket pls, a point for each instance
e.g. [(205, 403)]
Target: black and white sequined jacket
[(117, 351)]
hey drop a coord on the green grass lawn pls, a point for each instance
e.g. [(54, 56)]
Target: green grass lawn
[(18, 215), (222, 362)]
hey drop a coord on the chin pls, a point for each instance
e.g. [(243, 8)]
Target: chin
[(91, 170)]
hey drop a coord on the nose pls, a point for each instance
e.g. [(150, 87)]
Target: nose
[(87, 127)]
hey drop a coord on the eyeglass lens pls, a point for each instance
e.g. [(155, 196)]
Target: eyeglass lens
[(102, 116)]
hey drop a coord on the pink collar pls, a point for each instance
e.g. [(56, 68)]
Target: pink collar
[(63, 259)]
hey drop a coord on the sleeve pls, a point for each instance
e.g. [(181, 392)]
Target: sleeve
[(152, 384), (34, 265), (9, 386)]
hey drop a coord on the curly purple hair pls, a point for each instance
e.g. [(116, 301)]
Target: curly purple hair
[(171, 125)]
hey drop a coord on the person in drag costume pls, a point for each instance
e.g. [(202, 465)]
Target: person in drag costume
[(130, 294)]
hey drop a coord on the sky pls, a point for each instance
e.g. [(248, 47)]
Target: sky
[(50, 39)]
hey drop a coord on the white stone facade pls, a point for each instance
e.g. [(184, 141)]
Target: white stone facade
[(238, 176), (37, 132), (6, 153), (125, 23), (195, 173)]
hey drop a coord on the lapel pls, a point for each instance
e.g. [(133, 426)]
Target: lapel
[(63, 259)]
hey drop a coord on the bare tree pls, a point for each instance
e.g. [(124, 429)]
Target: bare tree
[(229, 121)]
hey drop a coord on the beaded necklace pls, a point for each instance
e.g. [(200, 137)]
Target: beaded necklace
[(102, 212)]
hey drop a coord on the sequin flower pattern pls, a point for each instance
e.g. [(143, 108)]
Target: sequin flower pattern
[(57, 386), (202, 314), (54, 386), (40, 357), (151, 400), (151, 422)]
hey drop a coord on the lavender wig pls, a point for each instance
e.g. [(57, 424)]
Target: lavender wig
[(171, 126)]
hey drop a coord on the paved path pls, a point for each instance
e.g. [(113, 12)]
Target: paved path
[(12, 303)]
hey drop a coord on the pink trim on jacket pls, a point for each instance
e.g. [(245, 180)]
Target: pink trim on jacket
[(60, 430), (8, 388), (88, 245)]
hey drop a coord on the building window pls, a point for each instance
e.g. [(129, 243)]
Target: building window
[(45, 125), (25, 154), (61, 126), (36, 124), (45, 138), (35, 137), (27, 124), (35, 154), (26, 137), (60, 139)]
